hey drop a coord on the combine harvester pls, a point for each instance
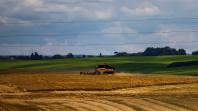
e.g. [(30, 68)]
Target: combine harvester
[(100, 70)]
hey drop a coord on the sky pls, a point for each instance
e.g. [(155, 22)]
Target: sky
[(96, 26)]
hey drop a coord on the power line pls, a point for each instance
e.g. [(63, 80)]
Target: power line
[(97, 44), (67, 21), (80, 1), (102, 33)]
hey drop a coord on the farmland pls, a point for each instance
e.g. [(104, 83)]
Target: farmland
[(134, 64), (120, 92), (139, 84)]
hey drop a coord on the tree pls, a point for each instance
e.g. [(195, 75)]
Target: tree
[(57, 56), (36, 56), (121, 53), (181, 52), (70, 55), (84, 56), (168, 51), (116, 53), (32, 56), (195, 53), (150, 51), (100, 55)]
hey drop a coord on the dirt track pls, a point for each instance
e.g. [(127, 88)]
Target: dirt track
[(173, 97)]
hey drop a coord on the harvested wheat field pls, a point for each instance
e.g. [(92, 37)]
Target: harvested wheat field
[(120, 92)]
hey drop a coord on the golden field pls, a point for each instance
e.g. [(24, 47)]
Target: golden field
[(119, 92)]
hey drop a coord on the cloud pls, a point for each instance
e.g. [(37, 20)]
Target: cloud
[(186, 40), (177, 36), (131, 48), (143, 9), (117, 30), (32, 3), (7, 21), (74, 10), (27, 49), (97, 16)]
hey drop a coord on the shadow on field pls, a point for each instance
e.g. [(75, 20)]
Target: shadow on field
[(140, 67), (155, 68)]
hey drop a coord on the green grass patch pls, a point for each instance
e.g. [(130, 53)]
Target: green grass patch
[(133, 64)]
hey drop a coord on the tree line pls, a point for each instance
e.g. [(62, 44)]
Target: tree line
[(150, 51), (37, 56)]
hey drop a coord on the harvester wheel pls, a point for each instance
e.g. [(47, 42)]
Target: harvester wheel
[(98, 73)]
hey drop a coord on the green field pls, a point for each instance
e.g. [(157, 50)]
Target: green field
[(133, 64)]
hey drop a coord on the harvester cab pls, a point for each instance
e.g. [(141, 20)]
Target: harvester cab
[(104, 69), (100, 69)]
